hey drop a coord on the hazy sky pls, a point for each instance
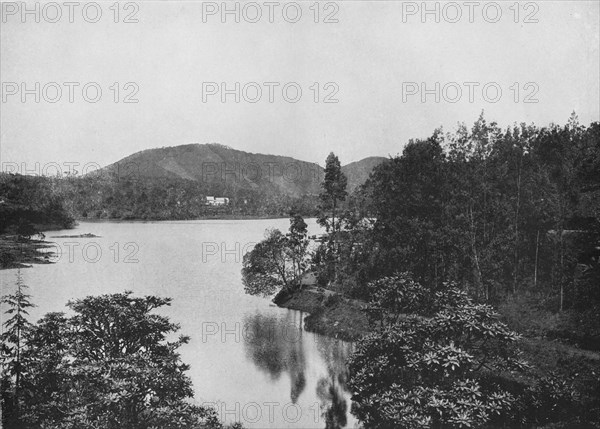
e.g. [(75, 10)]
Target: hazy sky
[(374, 51)]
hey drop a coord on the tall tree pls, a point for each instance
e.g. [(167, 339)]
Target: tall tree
[(407, 200), (297, 239), (15, 328), (334, 188)]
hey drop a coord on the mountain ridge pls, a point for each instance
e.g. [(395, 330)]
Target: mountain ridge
[(236, 169)]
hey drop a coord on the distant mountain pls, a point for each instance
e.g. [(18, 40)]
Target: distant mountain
[(225, 168), (358, 172), (221, 167)]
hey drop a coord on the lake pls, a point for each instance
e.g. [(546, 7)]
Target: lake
[(250, 359)]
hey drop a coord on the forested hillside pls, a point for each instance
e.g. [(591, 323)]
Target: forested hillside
[(173, 183), (471, 263), (514, 215), (31, 199), (221, 169), (162, 199)]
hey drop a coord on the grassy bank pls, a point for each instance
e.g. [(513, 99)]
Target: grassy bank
[(330, 314)]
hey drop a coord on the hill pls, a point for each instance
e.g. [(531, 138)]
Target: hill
[(173, 183), (358, 172), (223, 167), (229, 170)]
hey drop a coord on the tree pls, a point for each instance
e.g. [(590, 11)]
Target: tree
[(118, 335), (265, 271), (15, 328), (406, 197), (278, 262), (109, 366), (334, 190), (48, 381), (297, 244), (427, 372)]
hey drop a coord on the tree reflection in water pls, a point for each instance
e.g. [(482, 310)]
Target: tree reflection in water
[(330, 389), (275, 345), (333, 403)]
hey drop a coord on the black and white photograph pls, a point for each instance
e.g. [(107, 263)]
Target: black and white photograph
[(309, 214)]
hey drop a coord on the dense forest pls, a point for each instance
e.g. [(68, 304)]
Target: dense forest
[(172, 183), (477, 257), (34, 200), (173, 198), (509, 218), (513, 215), (56, 202)]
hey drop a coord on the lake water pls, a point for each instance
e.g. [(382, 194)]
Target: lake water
[(249, 358)]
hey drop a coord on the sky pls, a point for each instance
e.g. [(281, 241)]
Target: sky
[(366, 68)]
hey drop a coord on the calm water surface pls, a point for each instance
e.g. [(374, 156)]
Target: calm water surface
[(248, 357)]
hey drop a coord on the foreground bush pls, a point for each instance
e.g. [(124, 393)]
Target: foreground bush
[(109, 366), (420, 372)]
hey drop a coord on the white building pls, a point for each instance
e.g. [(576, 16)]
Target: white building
[(217, 201)]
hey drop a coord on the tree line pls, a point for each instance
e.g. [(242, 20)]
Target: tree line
[(509, 214), (499, 210), (458, 246), (31, 200), (58, 201)]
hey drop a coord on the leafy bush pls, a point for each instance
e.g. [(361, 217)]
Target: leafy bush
[(423, 373), (551, 399), (109, 366), (393, 296)]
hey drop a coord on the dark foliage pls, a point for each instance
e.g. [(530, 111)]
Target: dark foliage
[(30, 203), (109, 365)]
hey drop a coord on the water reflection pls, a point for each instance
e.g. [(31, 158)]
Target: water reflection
[(331, 389), (333, 403), (224, 368), (277, 345)]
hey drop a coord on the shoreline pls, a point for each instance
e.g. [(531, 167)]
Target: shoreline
[(22, 254), (15, 253), (337, 317), (216, 217), (329, 313)]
